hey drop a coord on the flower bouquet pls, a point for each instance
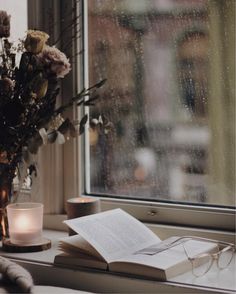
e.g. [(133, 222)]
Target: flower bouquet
[(28, 93)]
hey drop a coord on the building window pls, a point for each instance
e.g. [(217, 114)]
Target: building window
[(168, 97), (193, 63)]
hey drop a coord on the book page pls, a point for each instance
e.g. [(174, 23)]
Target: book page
[(79, 260), (77, 243), (113, 233)]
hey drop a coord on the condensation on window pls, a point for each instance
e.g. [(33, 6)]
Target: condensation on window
[(167, 98)]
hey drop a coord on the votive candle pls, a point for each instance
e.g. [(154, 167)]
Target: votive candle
[(25, 223)]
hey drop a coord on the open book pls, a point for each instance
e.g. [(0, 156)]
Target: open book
[(115, 241)]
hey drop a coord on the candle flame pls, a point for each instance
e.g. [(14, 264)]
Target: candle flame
[(82, 200), (22, 222)]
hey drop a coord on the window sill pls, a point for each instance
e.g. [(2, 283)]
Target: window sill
[(40, 264), (55, 222)]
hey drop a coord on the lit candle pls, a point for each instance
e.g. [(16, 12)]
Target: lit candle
[(81, 206), (25, 223)]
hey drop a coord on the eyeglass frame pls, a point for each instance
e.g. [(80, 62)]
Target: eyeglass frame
[(214, 256)]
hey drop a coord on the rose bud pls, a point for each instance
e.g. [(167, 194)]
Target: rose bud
[(35, 41)]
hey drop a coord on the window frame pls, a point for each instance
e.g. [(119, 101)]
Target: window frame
[(158, 212), (59, 24), (161, 213)]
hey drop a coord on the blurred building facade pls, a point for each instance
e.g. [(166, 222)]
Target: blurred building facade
[(161, 97)]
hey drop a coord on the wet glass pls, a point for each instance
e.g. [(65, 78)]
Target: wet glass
[(170, 75)]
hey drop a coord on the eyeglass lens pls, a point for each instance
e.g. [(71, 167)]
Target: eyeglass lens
[(225, 257), (201, 265)]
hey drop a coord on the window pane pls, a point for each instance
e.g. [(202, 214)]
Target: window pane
[(170, 96)]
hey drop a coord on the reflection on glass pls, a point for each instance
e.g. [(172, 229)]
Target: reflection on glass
[(168, 97)]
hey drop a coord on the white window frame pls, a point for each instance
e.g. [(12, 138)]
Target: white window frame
[(165, 214), (158, 211), (38, 17)]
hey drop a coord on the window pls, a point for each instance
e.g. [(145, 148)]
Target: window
[(159, 58), (170, 97), (170, 85)]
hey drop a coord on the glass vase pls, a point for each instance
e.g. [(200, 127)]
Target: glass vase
[(6, 181)]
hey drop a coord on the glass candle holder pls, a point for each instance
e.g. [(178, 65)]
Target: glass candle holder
[(25, 223)]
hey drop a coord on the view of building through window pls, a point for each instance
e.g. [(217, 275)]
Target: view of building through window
[(168, 97)]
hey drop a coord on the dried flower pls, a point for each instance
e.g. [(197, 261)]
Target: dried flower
[(29, 116), (55, 61), (51, 136), (3, 157), (38, 86), (4, 24), (35, 41), (6, 86), (56, 122)]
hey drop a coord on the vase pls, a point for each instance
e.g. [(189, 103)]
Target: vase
[(6, 180)]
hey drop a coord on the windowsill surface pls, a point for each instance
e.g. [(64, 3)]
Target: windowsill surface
[(40, 264)]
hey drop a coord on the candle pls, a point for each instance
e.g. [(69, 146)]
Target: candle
[(25, 223), (81, 206)]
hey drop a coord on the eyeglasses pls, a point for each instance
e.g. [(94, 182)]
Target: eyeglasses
[(202, 263)]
